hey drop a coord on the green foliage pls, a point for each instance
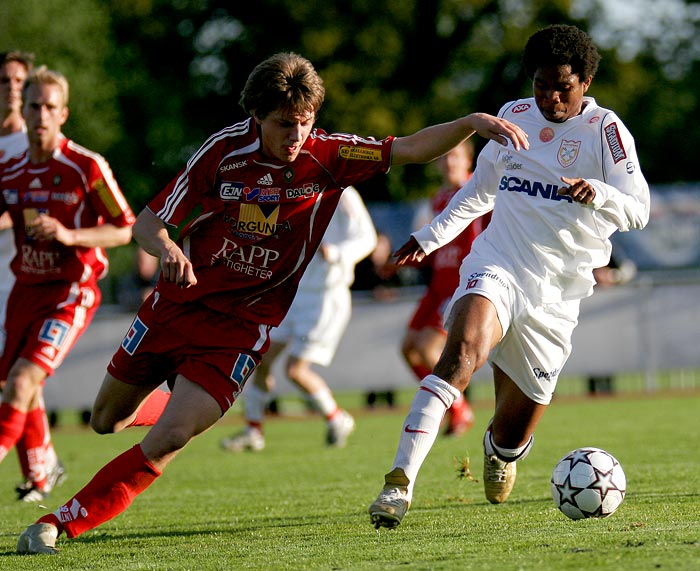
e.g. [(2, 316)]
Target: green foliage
[(151, 79), (298, 505)]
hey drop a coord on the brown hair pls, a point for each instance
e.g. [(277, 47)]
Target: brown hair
[(284, 81)]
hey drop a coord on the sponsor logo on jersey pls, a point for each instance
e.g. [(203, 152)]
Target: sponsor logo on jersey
[(509, 164), (53, 332), (36, 196), (259, 220), (36, 183), (547, 376), (306, 191), (231, 190), (11, 195), (629, 167), (594, 119), (231, 166), (270, 194), (67, 197), (532, 188), (248, 259), (546, 134), (266, 180), (107, 197), (612, 136), (521, 107), (359, 153), (39, 262), (568, 152)]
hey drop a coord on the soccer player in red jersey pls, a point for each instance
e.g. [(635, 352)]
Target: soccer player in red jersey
[(250, 209), (425, 335), (65, 207)]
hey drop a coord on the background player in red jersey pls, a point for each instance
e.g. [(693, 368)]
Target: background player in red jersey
[(252, 204), (425, 336), (65, 207)]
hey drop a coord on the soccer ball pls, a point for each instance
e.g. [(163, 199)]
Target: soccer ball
[(588, 482)]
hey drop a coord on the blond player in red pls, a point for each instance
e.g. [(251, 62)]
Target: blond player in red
[(251, 206), (65, 207)]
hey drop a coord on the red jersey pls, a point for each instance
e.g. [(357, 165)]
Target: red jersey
[(75, 186), (249, 224), (445, 261)]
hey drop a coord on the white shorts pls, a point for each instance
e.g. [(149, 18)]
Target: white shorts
[(536, 339), (315, 324)]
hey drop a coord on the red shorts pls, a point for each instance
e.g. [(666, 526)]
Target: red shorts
[(216, 351), (429, 311), (44, 321)]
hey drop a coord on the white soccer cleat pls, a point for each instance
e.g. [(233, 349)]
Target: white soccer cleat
[(340, 427), (250, 439), (38, 538), (499, 479), (392, 503)]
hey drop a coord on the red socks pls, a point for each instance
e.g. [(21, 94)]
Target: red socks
[(11, 427), (107, 495), (151, 409), (31, 447), (420, 371)]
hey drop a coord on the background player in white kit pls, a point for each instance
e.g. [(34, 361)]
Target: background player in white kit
[(312, 329), (554, 208), (14, 69)]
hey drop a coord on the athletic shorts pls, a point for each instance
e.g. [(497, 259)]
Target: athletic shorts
[(429, 312), (44, 321), (315, 324), (536, 338), (216, 351)]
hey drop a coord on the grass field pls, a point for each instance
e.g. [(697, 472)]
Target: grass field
[(299, 505)]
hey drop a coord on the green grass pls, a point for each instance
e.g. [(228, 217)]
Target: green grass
[(299, 505)]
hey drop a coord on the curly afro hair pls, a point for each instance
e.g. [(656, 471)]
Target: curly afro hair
[(561, 44)]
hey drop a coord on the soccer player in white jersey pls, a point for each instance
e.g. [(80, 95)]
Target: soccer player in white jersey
[(312, 329), (14, 68), (554, 208)]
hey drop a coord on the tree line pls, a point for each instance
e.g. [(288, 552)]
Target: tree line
[(151, 79)]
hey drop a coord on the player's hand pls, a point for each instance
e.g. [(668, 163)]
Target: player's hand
[(176, 268), (499, 130), (409, 252), (47, 228), (579, 189)]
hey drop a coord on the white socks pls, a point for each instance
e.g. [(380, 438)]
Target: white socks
[(324, 402), (255, 402), (422, 424)]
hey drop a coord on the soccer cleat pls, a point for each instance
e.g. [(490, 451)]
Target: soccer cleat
[(499, 479), (56, 476), (250, 439), (340, 427), (38, 538), (392, 503), (29, 493), (461, 418)]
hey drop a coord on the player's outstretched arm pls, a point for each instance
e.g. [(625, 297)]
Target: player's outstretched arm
[(152, 235), (429, 143), (409, 252)]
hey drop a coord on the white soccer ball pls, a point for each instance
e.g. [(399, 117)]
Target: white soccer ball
[(588, 482)]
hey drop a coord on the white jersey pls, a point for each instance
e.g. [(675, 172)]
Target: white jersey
[(549, 243), (349, 238), (10, 146)]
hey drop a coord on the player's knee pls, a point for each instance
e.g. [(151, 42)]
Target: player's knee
[(101, 424)]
